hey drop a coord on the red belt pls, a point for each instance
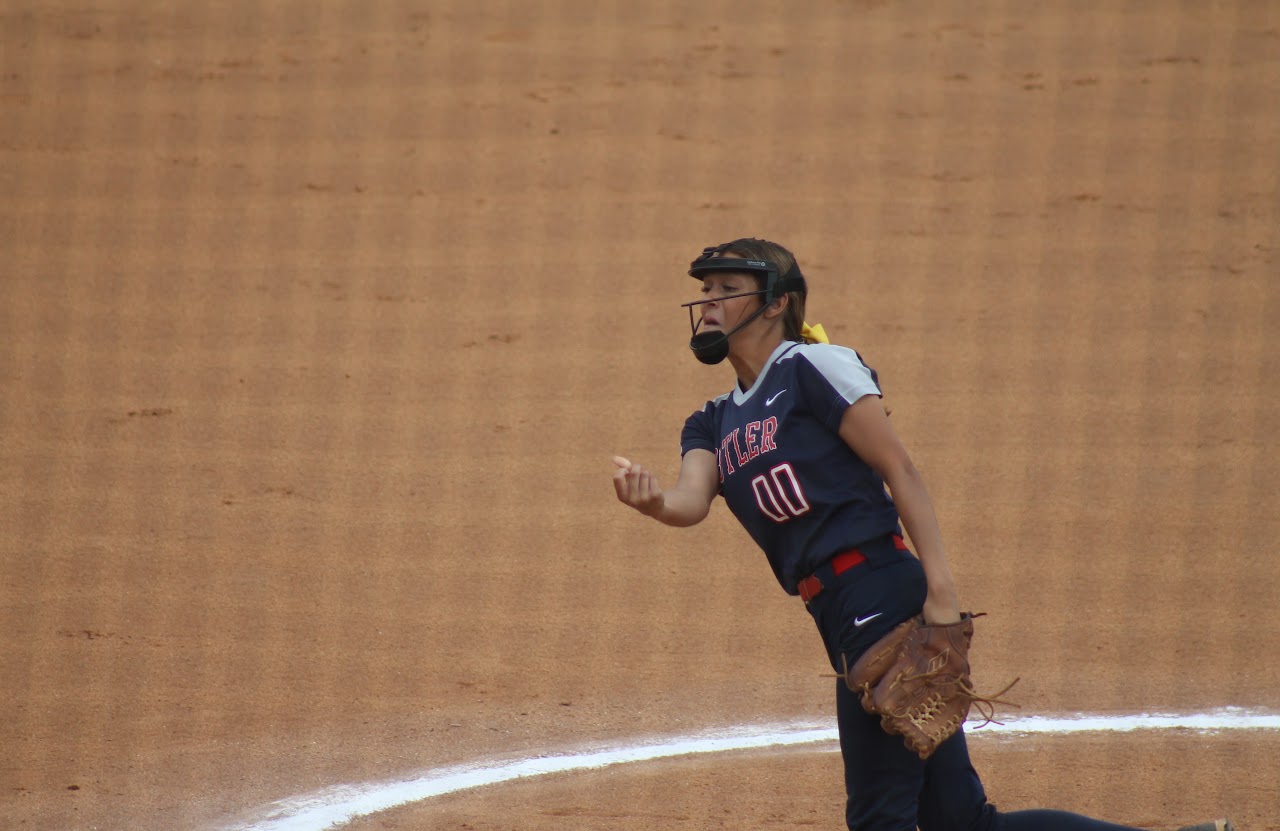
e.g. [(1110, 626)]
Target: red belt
[(810, 587)]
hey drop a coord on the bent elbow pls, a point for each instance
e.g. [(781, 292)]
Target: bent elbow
[(694, 516)]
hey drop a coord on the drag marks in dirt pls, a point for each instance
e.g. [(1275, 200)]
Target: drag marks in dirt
[(333, 807)]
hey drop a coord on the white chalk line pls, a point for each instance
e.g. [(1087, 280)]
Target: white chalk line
[(334, 807)]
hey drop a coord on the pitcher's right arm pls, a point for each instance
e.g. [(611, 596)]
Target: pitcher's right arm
[(685, 504)]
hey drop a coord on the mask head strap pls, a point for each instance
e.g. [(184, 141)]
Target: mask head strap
[(710, 261)]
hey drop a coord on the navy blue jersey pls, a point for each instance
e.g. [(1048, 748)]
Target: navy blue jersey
[(801, 493)]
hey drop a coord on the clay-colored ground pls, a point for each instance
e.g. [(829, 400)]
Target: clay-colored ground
[(321, 321)]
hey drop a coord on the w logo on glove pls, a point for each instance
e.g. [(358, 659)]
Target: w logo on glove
[(939, 661)]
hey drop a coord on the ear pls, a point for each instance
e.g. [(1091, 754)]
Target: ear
[(777, 307)]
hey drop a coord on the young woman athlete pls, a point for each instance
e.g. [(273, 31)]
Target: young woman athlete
[(802, 451)]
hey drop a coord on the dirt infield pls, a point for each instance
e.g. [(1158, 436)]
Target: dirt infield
[(322, 320)]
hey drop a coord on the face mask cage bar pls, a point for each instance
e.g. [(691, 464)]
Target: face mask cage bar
[(695, 324)]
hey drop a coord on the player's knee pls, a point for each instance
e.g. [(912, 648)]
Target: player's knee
[(957, 818), (881, 813)]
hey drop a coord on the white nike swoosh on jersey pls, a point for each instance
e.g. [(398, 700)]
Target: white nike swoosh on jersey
[(770, 399), (863, 621)]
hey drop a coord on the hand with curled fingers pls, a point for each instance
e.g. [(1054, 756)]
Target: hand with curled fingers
[(637, 487)]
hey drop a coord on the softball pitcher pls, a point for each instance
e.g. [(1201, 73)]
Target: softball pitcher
[(802, 451)]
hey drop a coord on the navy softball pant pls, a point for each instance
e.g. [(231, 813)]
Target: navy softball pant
[(889, 788)]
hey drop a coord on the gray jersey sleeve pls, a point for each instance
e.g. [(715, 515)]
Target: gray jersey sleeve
[(844, 370)]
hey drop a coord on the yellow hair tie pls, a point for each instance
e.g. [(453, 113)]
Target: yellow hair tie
[(814, 333)]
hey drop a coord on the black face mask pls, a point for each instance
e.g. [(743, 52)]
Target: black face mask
[(713, 347)]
